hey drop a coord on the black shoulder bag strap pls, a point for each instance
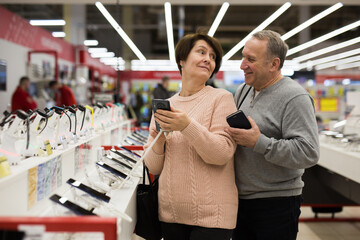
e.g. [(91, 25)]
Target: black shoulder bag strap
[(244, 96)]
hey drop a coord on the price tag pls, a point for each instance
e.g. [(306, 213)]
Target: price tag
[(4, 167), (76, 183), (48, 147), (63, 200), (63, 142)]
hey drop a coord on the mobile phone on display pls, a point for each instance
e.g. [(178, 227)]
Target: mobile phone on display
[(111, 169), (238, 120), (132, 160), (88, 190), (160, 104), (70, 205)]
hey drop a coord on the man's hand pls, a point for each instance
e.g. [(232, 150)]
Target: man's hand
[(174, 120), (245, 137)]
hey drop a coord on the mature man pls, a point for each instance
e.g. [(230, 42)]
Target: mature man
[(283, 140), (21, 98)]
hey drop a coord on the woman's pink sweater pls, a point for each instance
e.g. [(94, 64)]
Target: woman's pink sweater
[(197, 180)]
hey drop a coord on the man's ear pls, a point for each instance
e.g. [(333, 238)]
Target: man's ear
[(275, 64)]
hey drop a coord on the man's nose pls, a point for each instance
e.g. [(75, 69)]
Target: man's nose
[(243, 65)]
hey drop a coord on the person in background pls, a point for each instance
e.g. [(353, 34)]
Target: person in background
[(63, 94), (283, 140), (21, 98), (197, 192), (161, 91)]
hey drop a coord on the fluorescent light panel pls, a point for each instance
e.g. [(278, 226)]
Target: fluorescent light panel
[(323, 38), (91, 42), (58, 34), (349, 65), (169, 31), (97, 50), (311, 21), (327, 50), (337, 63), (120, 31), (218, 18), (49, 22), (262, 26), (103, 55), (329, 59)]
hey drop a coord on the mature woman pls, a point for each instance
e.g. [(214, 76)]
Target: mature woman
[(197, 191)]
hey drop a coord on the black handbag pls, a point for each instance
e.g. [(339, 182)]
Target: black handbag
[(148, 225)]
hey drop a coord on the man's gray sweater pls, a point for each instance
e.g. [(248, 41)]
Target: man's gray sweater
[(284, 113)]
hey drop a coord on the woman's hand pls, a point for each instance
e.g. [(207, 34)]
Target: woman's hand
[(160, 143), (174, 120)]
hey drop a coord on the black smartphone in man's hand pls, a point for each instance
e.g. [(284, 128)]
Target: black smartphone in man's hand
[(160, 104), (238, 120)]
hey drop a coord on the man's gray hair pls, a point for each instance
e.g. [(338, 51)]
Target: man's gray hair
[(276, 46)]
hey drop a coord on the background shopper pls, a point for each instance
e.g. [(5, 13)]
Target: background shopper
[(197, 192), (63, 94), (161, 91), (21, 98), (271, 156)]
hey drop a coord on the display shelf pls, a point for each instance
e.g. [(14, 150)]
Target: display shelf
[(340, 161), (74, 161)]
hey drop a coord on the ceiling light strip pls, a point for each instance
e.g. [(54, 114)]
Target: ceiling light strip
[(91, 42), (120, 31), (263, 25), (58, 34), (218, 19), (311, 21), (323, 38), (169, 31), (349, 65), (103, 55), (327, 50), (97, 50), (328, 59), (337, 63), (49, 22)]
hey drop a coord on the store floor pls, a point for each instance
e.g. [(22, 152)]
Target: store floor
[(325, 230)]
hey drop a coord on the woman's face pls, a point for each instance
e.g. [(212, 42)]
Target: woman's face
[(200, 62)]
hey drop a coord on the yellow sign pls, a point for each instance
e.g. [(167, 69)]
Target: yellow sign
[(4, 167), (32, 186), (329, 105), (48, 147)]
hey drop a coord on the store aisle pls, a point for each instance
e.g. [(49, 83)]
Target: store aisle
[(330, 230), (325, 230)]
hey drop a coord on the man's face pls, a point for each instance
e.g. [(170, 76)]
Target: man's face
[(255, 63), (27, 85)]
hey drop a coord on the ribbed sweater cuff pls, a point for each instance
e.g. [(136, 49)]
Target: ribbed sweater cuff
[(262, 144)]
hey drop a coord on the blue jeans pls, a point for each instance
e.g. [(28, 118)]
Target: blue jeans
[(268, 218), (176, 231)]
